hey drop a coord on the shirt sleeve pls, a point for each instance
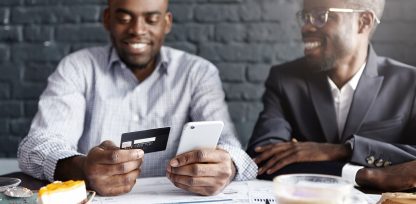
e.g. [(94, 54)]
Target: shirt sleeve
[(58, 124), (208, 103), (349, 172), (272, 126)]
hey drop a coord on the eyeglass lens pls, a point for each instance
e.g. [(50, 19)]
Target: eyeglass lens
[(316, 18)]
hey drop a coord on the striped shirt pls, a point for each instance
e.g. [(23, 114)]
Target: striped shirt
[(93, 97)]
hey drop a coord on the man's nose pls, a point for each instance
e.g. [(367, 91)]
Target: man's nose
[(139, 27), (308, 26)]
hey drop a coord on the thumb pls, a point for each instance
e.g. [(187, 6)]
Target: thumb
[(108, 145)]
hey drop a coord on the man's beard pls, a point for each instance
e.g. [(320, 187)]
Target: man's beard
[(325, 64)]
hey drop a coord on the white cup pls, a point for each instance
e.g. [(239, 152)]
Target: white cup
[(313, 189)]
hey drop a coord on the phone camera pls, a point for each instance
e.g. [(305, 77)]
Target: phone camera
[(192, 127)]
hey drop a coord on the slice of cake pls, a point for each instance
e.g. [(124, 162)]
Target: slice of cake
[(397, 198), (69, 192)]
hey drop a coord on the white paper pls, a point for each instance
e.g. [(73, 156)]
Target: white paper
[(373, 198), (161, 190)]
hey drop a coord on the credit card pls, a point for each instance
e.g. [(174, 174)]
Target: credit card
[(153, 140)]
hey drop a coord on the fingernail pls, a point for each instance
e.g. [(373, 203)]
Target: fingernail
[(258, 149), (269, 171), (140, 153), (174, 163), (260, 170)]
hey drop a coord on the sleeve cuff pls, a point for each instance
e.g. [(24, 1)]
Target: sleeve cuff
[(52, 160), (246, 169), (349, 172)]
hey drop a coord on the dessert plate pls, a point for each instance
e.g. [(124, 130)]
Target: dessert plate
[(90, 196), (7, 182)]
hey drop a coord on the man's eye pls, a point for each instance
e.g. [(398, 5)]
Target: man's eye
[(123, 19), (153, 19), (322, 17)]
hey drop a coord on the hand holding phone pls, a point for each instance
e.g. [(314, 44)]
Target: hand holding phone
[(200, 135)]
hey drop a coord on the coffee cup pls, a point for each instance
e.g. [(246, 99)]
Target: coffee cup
[(314, 189)]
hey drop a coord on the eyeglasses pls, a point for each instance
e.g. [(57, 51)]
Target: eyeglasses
[(319, 18)]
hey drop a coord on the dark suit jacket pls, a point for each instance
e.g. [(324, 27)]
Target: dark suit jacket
[(381, 121)]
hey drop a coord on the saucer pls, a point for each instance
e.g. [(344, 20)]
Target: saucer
[(7, 182)]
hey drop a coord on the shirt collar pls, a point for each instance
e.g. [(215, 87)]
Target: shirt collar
[(162, 61), (353, 82)]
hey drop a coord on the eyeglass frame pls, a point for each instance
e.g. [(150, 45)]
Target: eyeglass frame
[(311, 18)]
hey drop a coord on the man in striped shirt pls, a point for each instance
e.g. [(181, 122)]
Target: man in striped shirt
[(97, 94)]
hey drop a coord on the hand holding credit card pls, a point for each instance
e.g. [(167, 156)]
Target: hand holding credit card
[(153, 140)]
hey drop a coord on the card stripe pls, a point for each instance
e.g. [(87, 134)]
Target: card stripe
[(140, 141)]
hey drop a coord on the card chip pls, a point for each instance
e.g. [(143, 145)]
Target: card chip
[(126, 145)]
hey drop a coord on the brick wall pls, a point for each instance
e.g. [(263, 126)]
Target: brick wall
[(242, 37)]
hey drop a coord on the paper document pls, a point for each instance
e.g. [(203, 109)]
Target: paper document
[(161, 191)]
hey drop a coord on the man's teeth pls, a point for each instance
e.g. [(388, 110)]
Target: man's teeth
[(312, 45), (138, 45)]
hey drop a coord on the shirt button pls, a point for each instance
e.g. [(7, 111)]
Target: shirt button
[(135, 118), (370, 160), (379, 163)]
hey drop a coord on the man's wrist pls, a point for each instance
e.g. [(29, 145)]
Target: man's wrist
[(347, 149), (342, 152), (70, 168)]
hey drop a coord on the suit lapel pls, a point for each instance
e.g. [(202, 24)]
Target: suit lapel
[(364, 96), (324, 105)]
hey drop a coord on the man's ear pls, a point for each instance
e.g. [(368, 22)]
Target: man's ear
[(106, 19), (169, 22), (367, 22)]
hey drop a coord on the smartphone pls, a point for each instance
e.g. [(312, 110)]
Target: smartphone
[(200, 135)]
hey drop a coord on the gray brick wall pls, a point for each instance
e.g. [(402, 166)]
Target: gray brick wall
[(242, 37)]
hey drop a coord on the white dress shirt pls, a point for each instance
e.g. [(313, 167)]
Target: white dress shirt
[(342, 102), (93, 96)]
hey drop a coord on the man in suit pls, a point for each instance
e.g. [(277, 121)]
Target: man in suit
[(341, 102)]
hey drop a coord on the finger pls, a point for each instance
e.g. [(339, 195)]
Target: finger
[(100, 170), (200, 156), (272, 152), (201, 170), (117, 169), (108, 145), (273, 161), (115, 185), (192, 181), (116, 190), (282, 163), (264, 148), (270, 146), (202, 190), (123, 179), (118, 156)]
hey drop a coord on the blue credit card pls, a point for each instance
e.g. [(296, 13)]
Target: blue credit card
[(153, 140)]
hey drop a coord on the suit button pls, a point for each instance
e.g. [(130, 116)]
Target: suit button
[(379, 163), (387, 163), (370, 160)]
